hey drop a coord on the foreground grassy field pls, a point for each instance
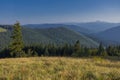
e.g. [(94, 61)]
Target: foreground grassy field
[(56, 68)]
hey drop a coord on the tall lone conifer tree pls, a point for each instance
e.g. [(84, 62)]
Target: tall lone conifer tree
[(101, 50), (17, 44), (76, 49)]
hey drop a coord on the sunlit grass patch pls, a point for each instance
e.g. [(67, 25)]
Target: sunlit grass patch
[(59, 68)]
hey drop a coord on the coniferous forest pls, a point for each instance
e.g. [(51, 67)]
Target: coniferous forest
[(17, 48)]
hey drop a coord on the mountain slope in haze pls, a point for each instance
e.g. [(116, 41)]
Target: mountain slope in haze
[(85, 28), (111, 35), (72, 27), (58, 35), (97, 26)]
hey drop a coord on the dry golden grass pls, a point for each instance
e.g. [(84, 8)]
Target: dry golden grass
[(59, 68)]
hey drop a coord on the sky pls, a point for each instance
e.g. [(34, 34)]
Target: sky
[(58, 11)]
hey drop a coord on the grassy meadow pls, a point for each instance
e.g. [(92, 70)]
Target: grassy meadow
[(59, 68)]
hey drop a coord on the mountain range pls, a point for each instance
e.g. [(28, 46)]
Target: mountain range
[(97, 26), (100, 31), (85, 28), (90, 34), (110, 36), (59, 35), (72, 27)]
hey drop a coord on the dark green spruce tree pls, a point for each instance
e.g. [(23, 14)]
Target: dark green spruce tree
[(101, 50), (46, 53), (16, 45), (77, 49)]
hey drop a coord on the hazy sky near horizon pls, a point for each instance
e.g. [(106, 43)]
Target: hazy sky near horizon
[(55, 11)]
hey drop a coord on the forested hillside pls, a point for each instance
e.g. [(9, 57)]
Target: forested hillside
[(58, 35), (69, 26), (110, 36)]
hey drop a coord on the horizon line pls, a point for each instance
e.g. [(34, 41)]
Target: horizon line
[(60, 22)]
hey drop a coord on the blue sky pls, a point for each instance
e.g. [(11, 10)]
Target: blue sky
[(55, 11)]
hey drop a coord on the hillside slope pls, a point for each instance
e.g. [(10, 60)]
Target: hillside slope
[(111, 35), (50, 35), (97, 26), (72, 27), (85, 28), (2, 30)]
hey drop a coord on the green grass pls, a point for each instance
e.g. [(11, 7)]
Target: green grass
[(59, 68), (2, 30)]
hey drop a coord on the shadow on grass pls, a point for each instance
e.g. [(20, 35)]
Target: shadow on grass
[(108, 65)]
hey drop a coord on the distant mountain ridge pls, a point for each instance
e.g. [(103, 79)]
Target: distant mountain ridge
[(83, 27), (72, 27), (98, 26), (111, 35)]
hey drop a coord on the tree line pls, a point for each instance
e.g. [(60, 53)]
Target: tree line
[(17, 48)]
